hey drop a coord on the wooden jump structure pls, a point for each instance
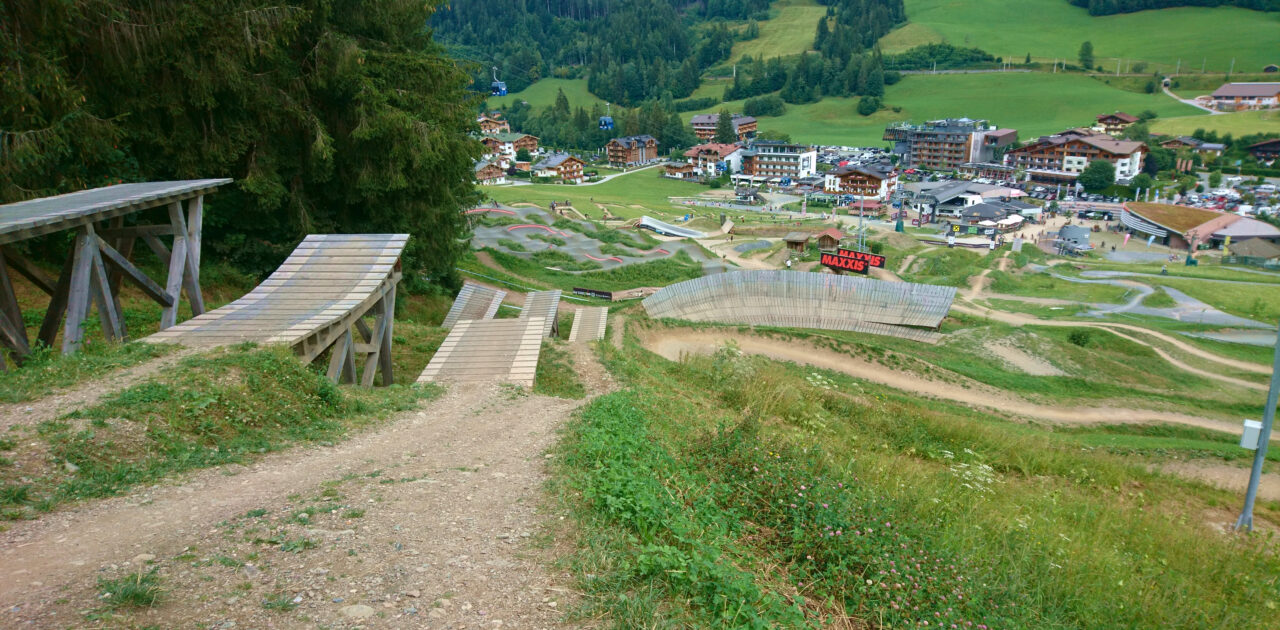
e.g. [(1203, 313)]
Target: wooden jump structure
[(589, 324), (544, 304), (474, 301), (317, 301), (488, 350), (101, 258)]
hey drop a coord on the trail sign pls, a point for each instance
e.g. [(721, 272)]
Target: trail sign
[(875, 260), (850, 260)]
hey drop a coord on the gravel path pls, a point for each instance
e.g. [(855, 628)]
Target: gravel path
[(424, 522)]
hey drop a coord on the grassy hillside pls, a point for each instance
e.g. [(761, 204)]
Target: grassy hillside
[(788, 31), (543, 93), (1054, 28), (1236, 124), (1033, 103)]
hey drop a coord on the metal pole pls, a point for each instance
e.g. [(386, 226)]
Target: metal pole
[(1264, 439)]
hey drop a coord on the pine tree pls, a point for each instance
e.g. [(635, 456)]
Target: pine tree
[(724, 128), (1028, 59), (1086, 55)]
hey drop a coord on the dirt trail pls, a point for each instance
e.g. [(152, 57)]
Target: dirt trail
[(672, 344), (1224, 476), (63, 401), (476, 455), (1017, 319)]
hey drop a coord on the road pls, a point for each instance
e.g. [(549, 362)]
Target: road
[(1190, 102)]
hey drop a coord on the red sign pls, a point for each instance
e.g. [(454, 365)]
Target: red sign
[(875, 260), (845, 263)]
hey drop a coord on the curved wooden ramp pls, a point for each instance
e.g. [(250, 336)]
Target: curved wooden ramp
[(474, 302), (316, 301), (488, 350), (544, 304), (589, 324)]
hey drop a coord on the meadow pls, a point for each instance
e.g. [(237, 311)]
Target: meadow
[(789, 30), (763, 494), (1049, 29), (1033, 103), (543, 94), (1236, 123)]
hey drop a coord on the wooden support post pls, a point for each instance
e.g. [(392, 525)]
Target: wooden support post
[(349, 363), (12, 336), (157, 248), (177, 266), (337, 356), (58, 302), (100, 287), (78, 294), (389, 316), (371, 362), (10, 310), (191, 278)]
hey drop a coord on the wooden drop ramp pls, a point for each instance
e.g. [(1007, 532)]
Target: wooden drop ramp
[(544, 304), (316, 301), (589, 324), (488, 350), (474, 302)]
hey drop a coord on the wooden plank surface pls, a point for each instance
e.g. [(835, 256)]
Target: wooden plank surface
[(488, 350)]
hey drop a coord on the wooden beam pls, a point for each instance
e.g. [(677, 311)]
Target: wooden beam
[(337, 357), (177, 266), (136, 231), (29, 271), (57, 303), (13, 336), (78, 293), (384, 355), (100, 288), (191, 278), (158, 249), (126, 269), (9, 307)]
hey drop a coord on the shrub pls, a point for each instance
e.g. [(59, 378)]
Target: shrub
[(1080, 337)]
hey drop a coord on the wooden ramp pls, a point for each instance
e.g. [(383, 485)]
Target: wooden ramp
[(589, 324), (488, 350), (545, 304), (316, 301), (474, 302)]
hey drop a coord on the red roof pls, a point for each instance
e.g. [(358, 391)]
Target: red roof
[(712, 147), (866, 204), (1119, 115), (832, 232)]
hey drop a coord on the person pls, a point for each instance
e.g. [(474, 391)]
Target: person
[(788, 263), (1164, 270)]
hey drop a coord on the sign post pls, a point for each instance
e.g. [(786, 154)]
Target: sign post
[(1264, 439)]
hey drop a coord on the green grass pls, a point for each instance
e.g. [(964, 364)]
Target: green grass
[(211, 409), (136, 590), (542, 94), (1033, 103), (1051, 29), (1043, 285), (556, 376), (1159, 299), (909, 36), (654, 273), (1236, 123), (1252, 301), (646, 189), (46, 370), (790, 30), (711, 503)]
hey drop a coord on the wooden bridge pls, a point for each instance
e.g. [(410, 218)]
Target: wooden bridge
[(317, 301)]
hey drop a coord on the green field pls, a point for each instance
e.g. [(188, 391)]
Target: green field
[(543, 94), (789, 30), (1049, 29), (1033, 103), (1237, 124), (645, 189)]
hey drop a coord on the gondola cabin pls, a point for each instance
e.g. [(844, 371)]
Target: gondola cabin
[(498, 88), (606, 122)]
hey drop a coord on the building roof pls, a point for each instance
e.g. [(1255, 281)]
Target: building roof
[(988, 211), (711, 119), (1246, 228), (1123, 117), (553, 161), (1254, 248), (631, 141), (875, 170), (719, 149), (482, 164), (511, 136), (797, 237), (1264, 143), (1247, 90), (1180, 219)]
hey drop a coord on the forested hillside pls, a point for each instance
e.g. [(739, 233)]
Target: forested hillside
[(332, 115), (1111, 7)]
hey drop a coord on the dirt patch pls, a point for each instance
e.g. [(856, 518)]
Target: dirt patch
[(1018, 358), (87, 394), (672, 344), (1223, 475), (447, 499)]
